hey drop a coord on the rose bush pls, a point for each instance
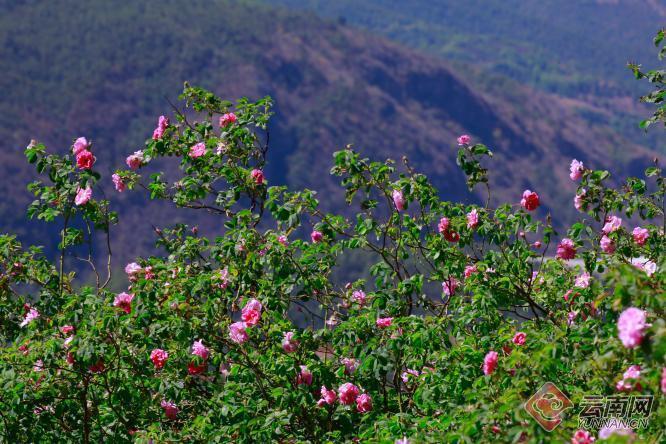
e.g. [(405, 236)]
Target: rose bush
[(249, 337)]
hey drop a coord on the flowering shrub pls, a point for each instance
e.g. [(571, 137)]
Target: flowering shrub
[(248, 337)]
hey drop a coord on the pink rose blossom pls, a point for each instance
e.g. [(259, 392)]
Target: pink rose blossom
[(663, 380), (316, 236), (257, 176), (118, 183), (67, 342), (197, 150), (398, 200), (238, 332), (283, 240), (363, 403), (351, 365), (162, 124), (519, 338), (170, 409), (252, 312), (289, 344), (571, 317), (579, 200), (83, 195), (30, 316), (200, 350), (647, 266), (490, 362), (613, 223), (359, 296), (536, 245), (582, 437), (384, 322), (629, 379), (80, 144), (85, 160), (228, 119), (327, 396), (39, 366), (530, 200), (631, 326), (347, 393), (66, 329), (566, 249), (409, 374), (443, 225), (640, 235), (304, 377), (583, 281), (472, 219), (124, 302), (470, 270), (159, 357), (449, 286), (607, 245), (133, 269), (576, 170), (614, 429), (135, 161), (464, 140)]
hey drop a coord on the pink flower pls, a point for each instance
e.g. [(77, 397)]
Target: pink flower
[(449, 286), (347, 393), (159, 357), (170, 409), (576, 170), (647, 266), (252, 312), (409, 373), (135, 161), (443, 225), (582, 437), (519, 338), (289, 344), (536, 245), (613, 223), (579, 200), (470, 270), (351, 365), (162, 124), (304, 377), (472, 219), (359, 296), (384, 322), (629, 379), (398, 200), (316, 236), (132, 269), (363, 403), (403, 440), (39, 366), (257, 176), (197, 150), (663, 380), (200, 350), (571, 317), (85, 160), (124, 302), (640, 235), (583, 281), (83, 195), (80, 144), (238, 332), (30, 316), (607, 245), (464, 140), (118, 183), (566, 249), (227, 119), (327, 396), (283, 240), (631, 326), (490, 362), (530, 200), (66, 329), (615, 429)]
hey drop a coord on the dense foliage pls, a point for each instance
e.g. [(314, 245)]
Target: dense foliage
[(247, 338)]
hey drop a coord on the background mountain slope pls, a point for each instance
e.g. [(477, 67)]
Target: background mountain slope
[(105, 72)]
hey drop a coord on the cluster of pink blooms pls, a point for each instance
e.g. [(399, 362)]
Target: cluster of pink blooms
[(84, 157), (359, 297), (582, 437), (304, 377), (566, 249), (197, 150), (519, 338), (118, 183), (289, 344), (576, 170), (613, 223), (351, 365), (464, 140), (530, 200), (490, 362), (470, 270), (607, 245), (257, 176), (629, 379), (83, 195), (348, 394), (583, 281), (124, 302), (136, 160), (201, 351), (251, 313), (159, 357), (238, 332), (162, 124), (631, 326), (228, 119), (384, 322), (30, 316), (399, 200), (640, 235), (649, 267), (472, 219), (134, 270)]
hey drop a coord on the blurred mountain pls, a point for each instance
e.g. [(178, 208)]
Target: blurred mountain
[(104, 70)]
